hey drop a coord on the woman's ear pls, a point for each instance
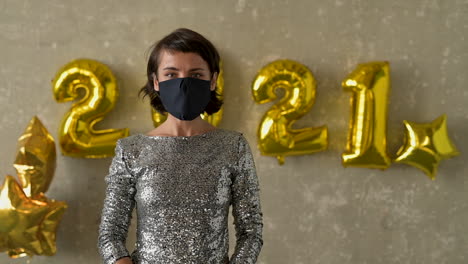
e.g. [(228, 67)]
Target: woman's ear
[(214, 80), (155, 82)]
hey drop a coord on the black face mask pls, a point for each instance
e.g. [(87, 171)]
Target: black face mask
[(185, 98)]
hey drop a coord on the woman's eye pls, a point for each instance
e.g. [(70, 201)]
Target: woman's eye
[(196, 75), (170, 75)]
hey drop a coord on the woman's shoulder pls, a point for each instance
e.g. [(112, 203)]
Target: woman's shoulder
[(129, 140), (229, 132), (230, 136), (128, 143), (234, 138), (233, 133)]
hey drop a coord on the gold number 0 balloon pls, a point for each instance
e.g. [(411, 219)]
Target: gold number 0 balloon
[(367, 139), (77, 136), (213, 119), (275, 135)]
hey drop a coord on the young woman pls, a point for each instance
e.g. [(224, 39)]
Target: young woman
[(184, 175)]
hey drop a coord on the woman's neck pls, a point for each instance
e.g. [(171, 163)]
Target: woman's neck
[(176, 127)]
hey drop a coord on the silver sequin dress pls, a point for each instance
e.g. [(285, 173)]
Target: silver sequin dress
[(182, 188)]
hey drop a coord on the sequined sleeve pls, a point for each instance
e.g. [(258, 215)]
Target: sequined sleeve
[(246, 208), (117, 210)]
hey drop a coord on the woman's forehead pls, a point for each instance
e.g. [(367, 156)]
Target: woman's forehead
[(181, 60)]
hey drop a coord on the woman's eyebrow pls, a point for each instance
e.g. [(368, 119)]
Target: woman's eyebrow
[(171, 68), (197, 69), (175, 69)]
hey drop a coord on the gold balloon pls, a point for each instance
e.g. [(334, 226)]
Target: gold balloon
[(157, 117), (49, 225), (367, 137), (28, 219), (426, 144), (20, 220), (78, 138), (276, 136), (27, 226), (214, 119), (35, 160)]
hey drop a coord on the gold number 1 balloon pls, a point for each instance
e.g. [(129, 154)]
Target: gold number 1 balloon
[(276, 136), (213, 119), (367, 142), (78, 138)]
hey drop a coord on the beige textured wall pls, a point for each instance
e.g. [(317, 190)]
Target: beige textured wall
[(315, 211)]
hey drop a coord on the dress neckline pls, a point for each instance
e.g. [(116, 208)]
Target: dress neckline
[(184, 137)]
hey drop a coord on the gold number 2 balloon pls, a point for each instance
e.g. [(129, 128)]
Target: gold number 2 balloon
[(275, 135), (78, 138), (213, 119), (367, 143)]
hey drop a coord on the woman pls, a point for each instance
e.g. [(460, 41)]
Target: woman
[(182, 176)]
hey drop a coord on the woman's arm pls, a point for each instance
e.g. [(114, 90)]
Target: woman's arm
[(117, 210), (246, 208)]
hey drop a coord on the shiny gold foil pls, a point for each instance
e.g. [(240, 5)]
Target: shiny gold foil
[(20, 220), (367, 135), (35, 159), (28, 219), (78, 138), (276, 137), (426, 144)]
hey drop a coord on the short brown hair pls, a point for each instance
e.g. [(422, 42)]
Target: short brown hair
[(183, 40)]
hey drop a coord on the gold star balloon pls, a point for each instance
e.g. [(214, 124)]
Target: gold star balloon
[(20, 217), (426, 144), (49, 225), (28, 219), (35, 160)]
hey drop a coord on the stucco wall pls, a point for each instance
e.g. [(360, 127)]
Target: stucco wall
[(315, 211)]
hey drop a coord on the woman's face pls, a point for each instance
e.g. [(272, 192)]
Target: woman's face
[(176, 64)]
